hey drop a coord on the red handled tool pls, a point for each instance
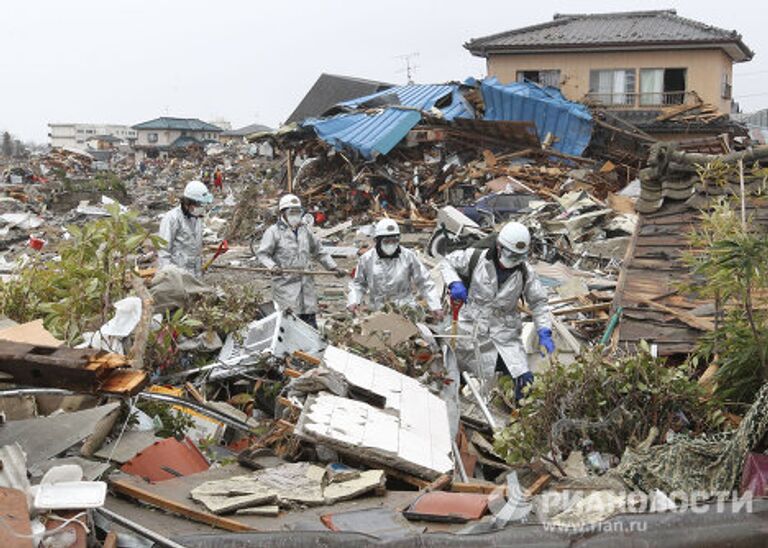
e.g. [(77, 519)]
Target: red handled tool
[(221, 250), (455, 307)]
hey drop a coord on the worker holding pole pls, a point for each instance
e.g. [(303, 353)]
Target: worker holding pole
[(182, 230), (490, 282), (391, 273), (290, 245)]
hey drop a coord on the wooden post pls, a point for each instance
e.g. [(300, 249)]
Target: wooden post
[(289, 165)]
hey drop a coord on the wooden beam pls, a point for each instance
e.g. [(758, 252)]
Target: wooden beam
[(685, 317), (484, 488), (309, 358), (194, 392), (407, 478), (577, 309), (147, 497), (537, 485), (440, 483)]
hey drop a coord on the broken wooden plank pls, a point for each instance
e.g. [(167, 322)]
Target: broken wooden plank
[(581, 309), (440, 483), (309, 358), (685, 317), (142, 495), (536, 487)]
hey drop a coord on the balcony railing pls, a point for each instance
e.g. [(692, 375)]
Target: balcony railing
[(638, 100)]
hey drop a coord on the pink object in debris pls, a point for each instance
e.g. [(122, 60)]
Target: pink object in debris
[(754, 478)]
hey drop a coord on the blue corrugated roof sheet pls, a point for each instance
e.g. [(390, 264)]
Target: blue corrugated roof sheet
[(369, 134), (423, 97), (379, 132), (552, 113)]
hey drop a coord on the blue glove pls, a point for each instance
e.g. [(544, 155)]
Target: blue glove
[(458, 291), (545, 339)]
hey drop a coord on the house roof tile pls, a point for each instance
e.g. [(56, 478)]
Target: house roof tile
[(628, 29)]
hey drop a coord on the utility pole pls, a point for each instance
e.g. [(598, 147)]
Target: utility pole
[(410, 67)]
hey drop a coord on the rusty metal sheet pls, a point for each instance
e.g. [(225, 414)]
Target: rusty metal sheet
[(447, 506)]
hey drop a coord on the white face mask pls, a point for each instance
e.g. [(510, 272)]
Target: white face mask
[(293, 219), (389, 249), (509, 259), (196, 211)]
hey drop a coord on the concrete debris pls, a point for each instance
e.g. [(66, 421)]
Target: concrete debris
[(286, 485)]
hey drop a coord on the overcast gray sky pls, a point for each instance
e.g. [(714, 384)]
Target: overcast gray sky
[(126, 61)]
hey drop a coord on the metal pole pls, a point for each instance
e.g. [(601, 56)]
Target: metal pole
[(137, 528), (459, 462), (268, 271), (488, 417)]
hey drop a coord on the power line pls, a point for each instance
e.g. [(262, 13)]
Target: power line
[(750, 73), (751, 95)]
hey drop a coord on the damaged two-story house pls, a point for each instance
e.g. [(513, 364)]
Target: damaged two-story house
[(632, 63)]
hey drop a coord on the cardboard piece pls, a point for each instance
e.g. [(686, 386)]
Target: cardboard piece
[(30, 333)]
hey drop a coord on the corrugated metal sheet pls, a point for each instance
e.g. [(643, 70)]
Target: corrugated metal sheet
[(423, 97), (369, 134), (379, 132), (570, 122)]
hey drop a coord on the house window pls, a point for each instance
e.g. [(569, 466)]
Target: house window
[(612, 87), (152, 137), (660, 87), (543, 77), (727, 91)]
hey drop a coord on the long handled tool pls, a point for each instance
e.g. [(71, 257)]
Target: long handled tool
[(221, 250), (283, 271), (455, 307)]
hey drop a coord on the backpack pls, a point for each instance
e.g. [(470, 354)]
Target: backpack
[(489, 242)]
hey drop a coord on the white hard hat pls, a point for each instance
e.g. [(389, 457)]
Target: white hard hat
[(386, 227), (515, 237), (288, 201), (197, 192)]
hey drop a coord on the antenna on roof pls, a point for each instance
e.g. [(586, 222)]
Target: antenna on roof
[(410, 67)]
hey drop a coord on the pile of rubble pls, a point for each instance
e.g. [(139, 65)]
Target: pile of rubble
[(202, 400)]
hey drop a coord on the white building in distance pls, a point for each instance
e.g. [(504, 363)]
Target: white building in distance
[(77, 135)]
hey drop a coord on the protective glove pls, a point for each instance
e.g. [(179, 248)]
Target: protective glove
[(438, 314), (545, 339), (458, 291), (339, 272)]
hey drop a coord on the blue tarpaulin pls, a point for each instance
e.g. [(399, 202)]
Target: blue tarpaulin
[(569, 122)]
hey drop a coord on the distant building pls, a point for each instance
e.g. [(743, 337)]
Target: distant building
[(633, 63), (240, 133), (330, 89), (164, 136), (225, 125), (77, 135)]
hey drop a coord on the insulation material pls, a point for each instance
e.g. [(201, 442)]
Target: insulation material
[(410, 434)]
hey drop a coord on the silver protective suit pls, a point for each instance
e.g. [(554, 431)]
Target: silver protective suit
[(184, 242), (490, 317), (397, 280), (293, 249)]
